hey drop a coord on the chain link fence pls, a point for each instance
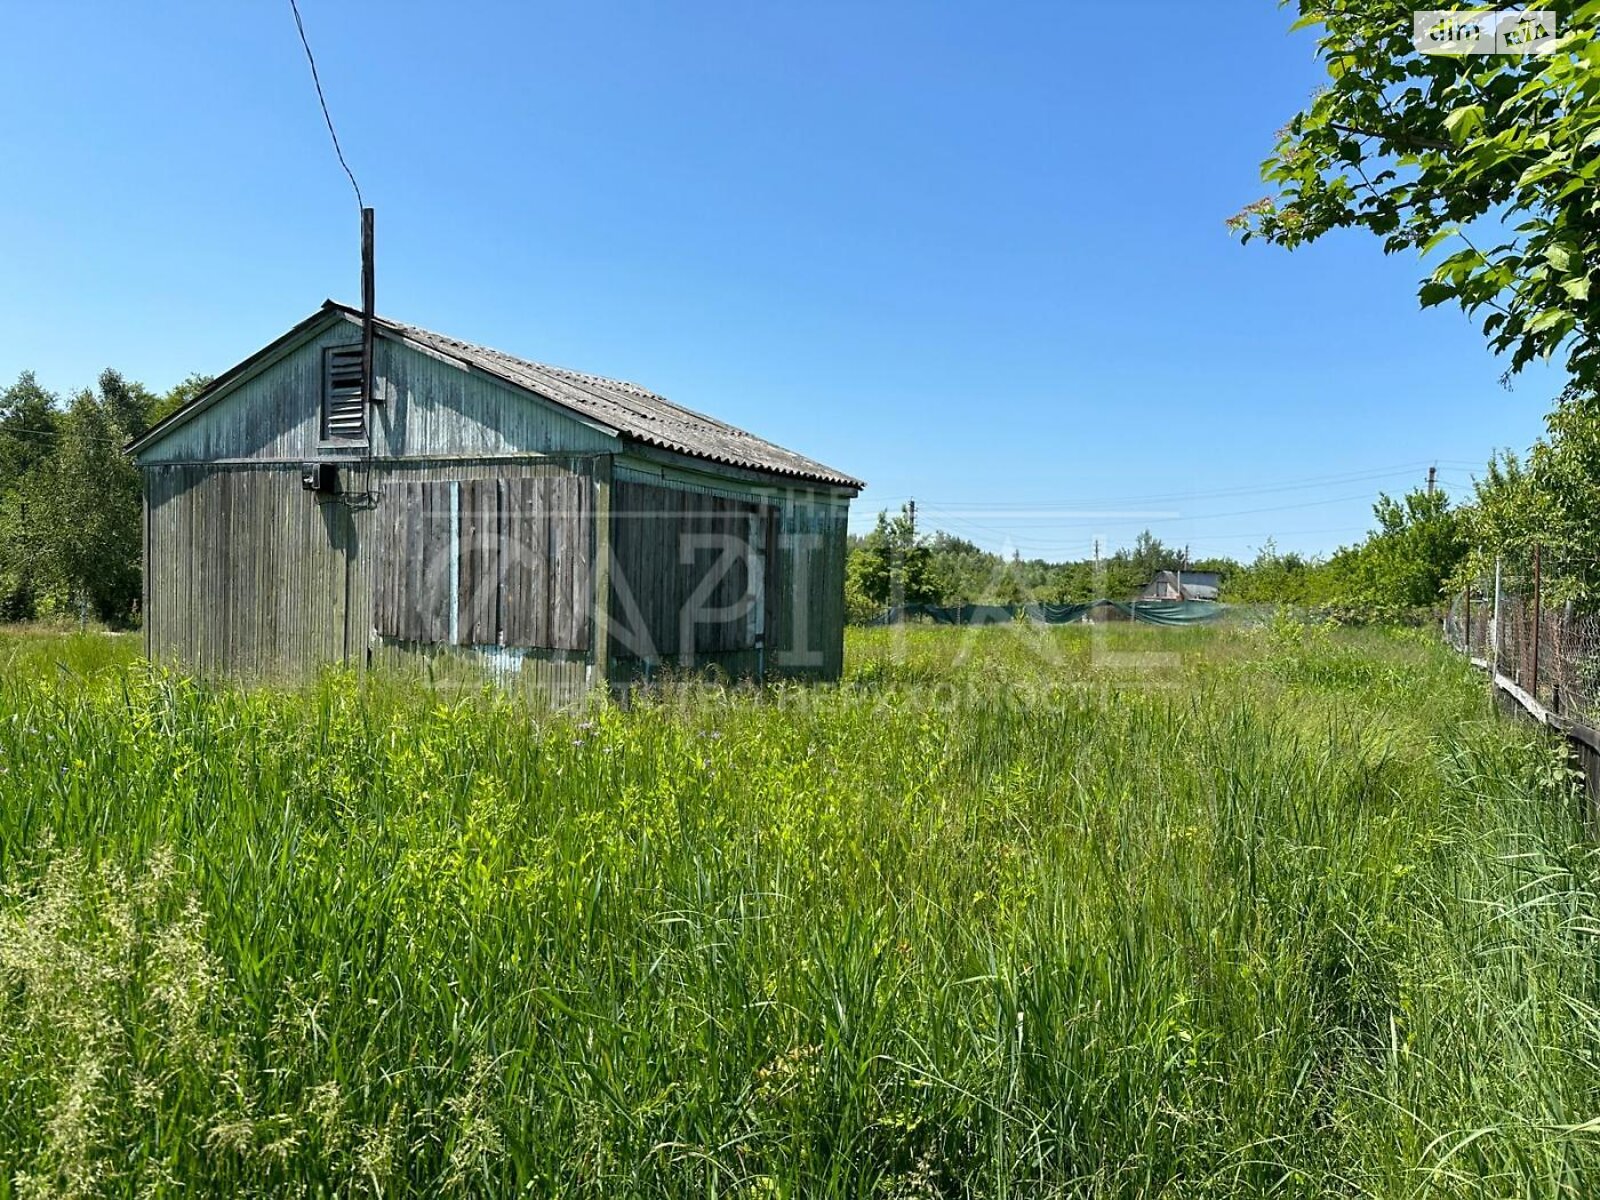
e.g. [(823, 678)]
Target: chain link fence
[(1549, 648)]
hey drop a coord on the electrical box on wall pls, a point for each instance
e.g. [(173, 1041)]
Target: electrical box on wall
[(319, 477)]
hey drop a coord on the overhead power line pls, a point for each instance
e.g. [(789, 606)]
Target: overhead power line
[(16, 431), (322, 100), (1373, 474), (956, 518)]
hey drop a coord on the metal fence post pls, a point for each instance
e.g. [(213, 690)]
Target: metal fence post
[(1494, 625), (1534, 689), (1466, 619)]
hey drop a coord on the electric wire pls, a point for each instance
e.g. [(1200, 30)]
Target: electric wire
[(935, 513), (322, 100), (1300, 484), (6, 431)]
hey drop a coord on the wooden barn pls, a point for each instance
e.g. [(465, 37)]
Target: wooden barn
[(1182, 585), (476, 512)]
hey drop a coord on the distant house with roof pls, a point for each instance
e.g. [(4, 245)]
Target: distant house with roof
[(456, 505), (1182, 585)]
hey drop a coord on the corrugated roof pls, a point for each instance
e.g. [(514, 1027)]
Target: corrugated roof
[(634, 412)]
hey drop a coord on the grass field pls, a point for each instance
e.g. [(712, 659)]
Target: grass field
[(1210, 912)]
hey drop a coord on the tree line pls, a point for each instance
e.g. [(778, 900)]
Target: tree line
[(893, 564), (1415, 553), (70, 497)]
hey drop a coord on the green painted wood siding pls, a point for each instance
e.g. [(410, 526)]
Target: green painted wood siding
[(430, 409)]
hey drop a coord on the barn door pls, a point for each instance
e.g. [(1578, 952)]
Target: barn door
[(689, 575), (548, 545), (487, 562), (411, 586)]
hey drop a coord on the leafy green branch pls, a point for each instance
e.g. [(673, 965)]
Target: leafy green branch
[(1418, 148)]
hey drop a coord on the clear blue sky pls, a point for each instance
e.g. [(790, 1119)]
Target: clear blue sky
[(971, 254)]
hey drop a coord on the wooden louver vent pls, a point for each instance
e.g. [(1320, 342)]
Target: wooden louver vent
[(344, 396)]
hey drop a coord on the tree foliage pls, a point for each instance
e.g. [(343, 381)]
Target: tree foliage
[(70, 502), (30, 434), (1549, 498), (1407, 560), (1491, 157), (179, 396), (1276, 577), (892, 565)]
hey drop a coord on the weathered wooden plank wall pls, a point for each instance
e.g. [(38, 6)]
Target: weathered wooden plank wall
[(806, 614), (249, 574), (246, 574), (430, 408), (479, 578), (437, 408), (275, 415), (799, 538), (539, 674), (679, 573), (412, 601), (487, 561)]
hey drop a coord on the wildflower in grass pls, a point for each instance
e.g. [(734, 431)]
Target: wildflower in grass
[(89, 957), (236, 1137)]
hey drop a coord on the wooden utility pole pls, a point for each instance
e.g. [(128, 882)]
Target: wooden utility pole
[(368, 306)]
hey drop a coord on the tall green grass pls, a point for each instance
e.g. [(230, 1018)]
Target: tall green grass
[(1209, 912)]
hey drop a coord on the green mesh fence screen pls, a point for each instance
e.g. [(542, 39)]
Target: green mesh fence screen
[(1151, 612)]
